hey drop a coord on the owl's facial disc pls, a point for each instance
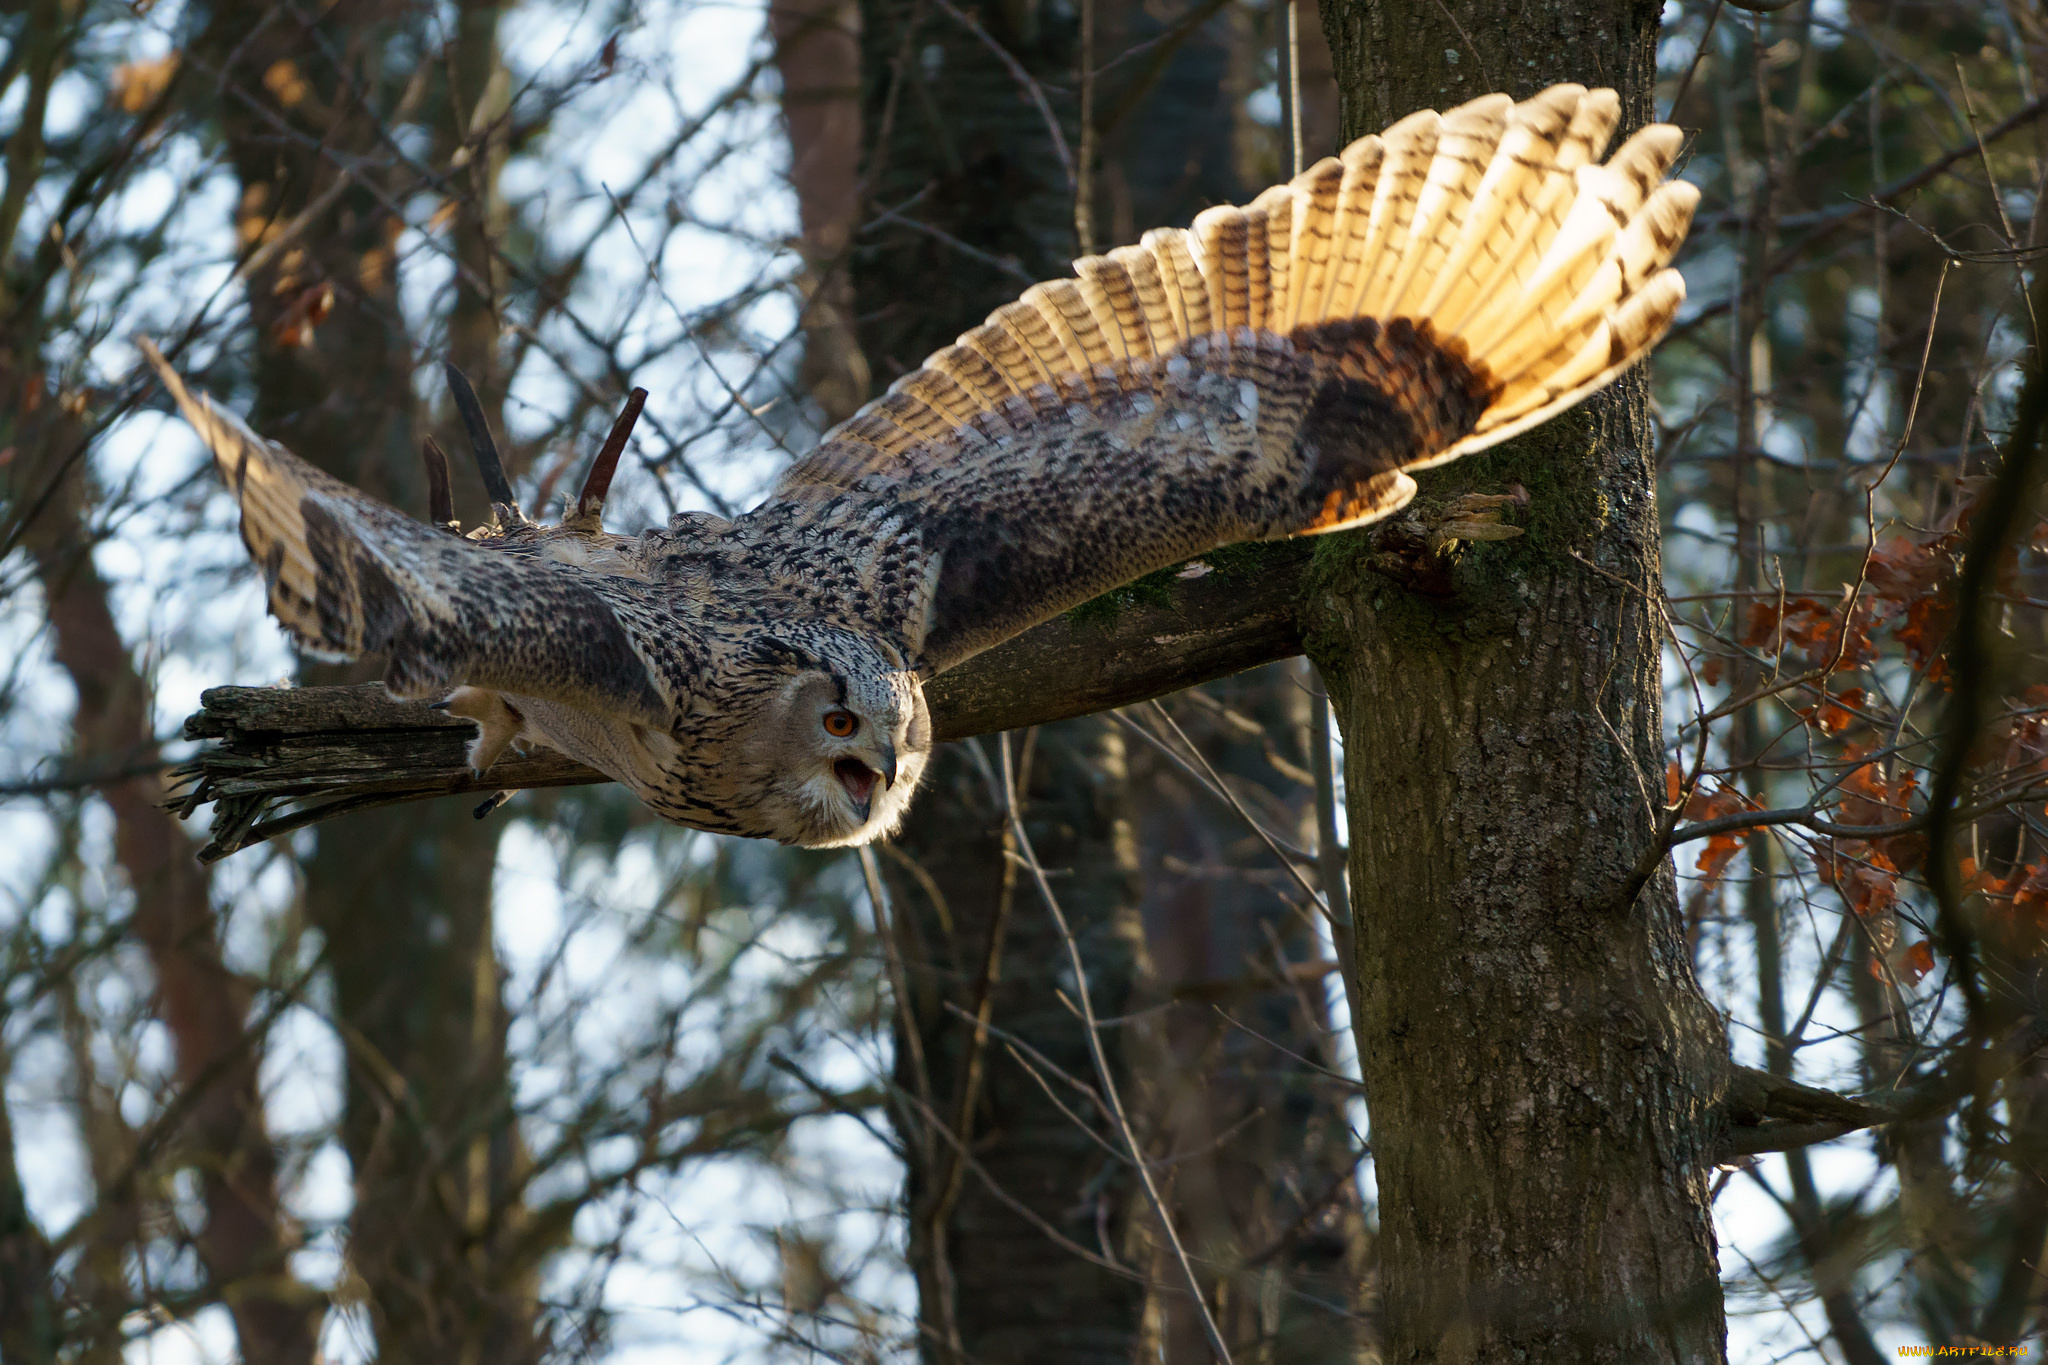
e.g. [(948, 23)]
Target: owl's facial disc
[(860, 724), (849, 744)]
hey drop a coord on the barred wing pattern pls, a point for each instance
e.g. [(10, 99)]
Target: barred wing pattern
[(1280, 369), (1275, 371), (347, 575)]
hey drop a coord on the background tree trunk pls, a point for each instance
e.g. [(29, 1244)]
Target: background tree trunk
[(403, 897), (246, 1239), (956, 145), (1241, 1076), (952, 143), (977, 941), (817, 54), (1539, 1063)]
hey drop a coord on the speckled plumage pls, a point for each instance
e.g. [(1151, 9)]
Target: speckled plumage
[(1276, 371)]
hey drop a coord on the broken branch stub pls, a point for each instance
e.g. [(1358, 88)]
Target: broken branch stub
[(590, 502), (488, 463), (440, 495)]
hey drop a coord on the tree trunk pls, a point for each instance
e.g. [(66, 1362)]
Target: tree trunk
[(1266, 1183), (993, 1284), (952, 142), (402, 897), (817, 53), (246, 1239), (1540, 1066)]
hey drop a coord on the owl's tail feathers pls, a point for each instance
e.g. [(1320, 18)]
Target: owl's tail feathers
[(349, 576)]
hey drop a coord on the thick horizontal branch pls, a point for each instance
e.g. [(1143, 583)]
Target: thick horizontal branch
[(1767, 1113), (284, 758)]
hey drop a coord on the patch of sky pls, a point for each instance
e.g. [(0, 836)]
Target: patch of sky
[(30, 837), (1866, 384), (49, 1149), (2002, 389), (1263, 105), (302, 1072), (1711, 269), (322, 1194), (14, 100), (1702, 550), (253, 894), (206, 1337), (347, 1337), (55, 913), (1836, 15), (74, 97)]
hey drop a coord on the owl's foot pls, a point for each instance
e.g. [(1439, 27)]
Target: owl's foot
[(499, 724)]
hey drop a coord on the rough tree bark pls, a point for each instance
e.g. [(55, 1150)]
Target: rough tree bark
[(403, 898), (1539, 1064)]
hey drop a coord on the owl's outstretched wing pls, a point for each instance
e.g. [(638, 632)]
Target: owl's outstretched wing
[(1275, 371), (348, 576)]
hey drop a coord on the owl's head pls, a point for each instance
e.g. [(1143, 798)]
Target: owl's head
[(838, 745)]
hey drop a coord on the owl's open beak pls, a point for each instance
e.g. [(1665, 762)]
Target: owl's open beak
[(859, 780)]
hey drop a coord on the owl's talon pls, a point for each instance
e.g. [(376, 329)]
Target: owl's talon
[(498, 725)]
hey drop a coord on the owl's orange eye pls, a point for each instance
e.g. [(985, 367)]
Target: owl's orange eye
[(840, 724)]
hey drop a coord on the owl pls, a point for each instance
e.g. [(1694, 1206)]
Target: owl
[(1276, 370)]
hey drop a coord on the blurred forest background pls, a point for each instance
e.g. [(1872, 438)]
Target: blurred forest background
[(569, 1084)]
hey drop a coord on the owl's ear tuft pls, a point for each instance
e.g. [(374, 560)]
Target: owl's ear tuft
[(440, 496)]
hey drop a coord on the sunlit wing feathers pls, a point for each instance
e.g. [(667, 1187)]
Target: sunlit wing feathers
[(1273, 371), (349, 576)]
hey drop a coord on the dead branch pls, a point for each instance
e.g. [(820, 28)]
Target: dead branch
[(1769, 1113)]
